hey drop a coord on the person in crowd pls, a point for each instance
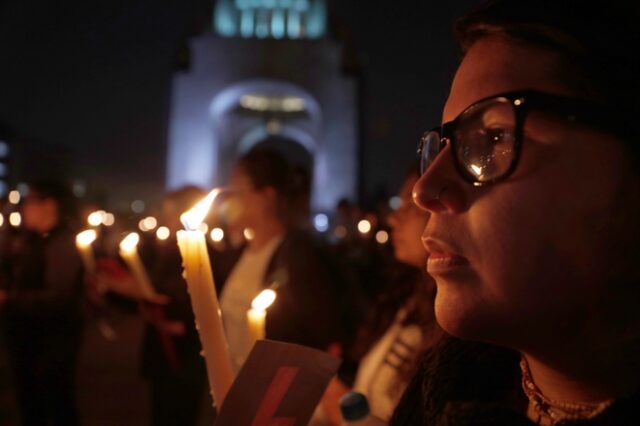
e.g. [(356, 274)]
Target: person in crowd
[(533, 191), (278, 256), (41, 306), (401, 326), (170, 355)]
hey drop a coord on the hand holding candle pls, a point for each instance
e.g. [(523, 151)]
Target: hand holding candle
[(256, 316), (83, 244), (129, 253), (204, 299)]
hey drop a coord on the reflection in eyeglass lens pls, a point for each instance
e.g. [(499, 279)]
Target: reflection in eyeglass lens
[(485, 140)]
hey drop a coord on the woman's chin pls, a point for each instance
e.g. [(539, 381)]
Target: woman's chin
[(461, 316)]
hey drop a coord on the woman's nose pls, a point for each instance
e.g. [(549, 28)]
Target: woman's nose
[(440, 190)]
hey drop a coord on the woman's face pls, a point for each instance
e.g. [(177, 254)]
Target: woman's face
[(407, 223), (247, 203), (537, 255)]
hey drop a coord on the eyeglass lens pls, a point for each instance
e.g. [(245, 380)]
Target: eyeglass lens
[(483, 141)]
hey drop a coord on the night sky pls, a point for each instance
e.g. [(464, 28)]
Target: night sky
[(85, 88)]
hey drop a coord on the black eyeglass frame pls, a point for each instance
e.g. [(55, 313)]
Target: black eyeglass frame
[(523, 101)]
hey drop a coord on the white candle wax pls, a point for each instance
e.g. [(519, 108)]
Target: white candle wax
[(257, 315), (204, 300), (83, 244), (129, 253)]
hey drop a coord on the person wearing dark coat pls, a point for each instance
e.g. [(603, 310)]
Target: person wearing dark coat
[(171, 360), (41, 308)]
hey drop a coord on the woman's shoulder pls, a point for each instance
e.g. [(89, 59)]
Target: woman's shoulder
[(463, 383)]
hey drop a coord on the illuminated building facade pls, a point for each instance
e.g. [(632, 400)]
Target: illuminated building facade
[(266, 74)]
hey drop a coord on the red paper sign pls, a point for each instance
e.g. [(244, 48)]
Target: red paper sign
[(280, 384)]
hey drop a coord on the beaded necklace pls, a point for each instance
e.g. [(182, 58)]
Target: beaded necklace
[(553, 412)]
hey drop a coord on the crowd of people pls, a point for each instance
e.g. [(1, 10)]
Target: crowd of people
[(509, 293), (342, 291)]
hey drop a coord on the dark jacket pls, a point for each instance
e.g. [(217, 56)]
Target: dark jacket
[(466, 383), (165, 272), (44, 287), (305, 311)]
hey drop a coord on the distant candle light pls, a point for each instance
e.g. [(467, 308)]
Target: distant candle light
[(15, 219), (150, 223), (265, 299), (382, 237), (163, 233), (85, 238), (96, 218), (364, 226), (217, 234), (109, 219), (256, 316), (130, 242), (14, 197), (83, 243)]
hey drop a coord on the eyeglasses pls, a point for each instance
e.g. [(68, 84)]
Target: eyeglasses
[(486, 138)]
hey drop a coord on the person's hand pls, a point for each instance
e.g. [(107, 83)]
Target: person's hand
[(154, 314), (123, 285)]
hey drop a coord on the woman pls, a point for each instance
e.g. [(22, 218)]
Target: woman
[(42, 306), (277, 256), (533, 190), (401, 326)]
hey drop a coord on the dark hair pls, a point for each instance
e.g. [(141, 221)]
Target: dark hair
[(61, 194), (597, 44), (186, 197), (268, 168)]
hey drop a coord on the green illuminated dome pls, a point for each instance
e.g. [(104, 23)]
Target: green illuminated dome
[(294, 19)]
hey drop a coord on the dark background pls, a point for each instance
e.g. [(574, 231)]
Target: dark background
[(85, 87)]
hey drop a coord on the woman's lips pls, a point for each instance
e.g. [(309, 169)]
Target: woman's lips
[(444, 262)]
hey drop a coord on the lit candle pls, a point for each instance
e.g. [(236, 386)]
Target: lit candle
[(204, 299), (129, 253), (257, 315), (83, 244)]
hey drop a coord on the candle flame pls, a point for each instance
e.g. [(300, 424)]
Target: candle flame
[(130, 242), (191, 219), (163, 233), (85, 238), (217, 235), (96, 218), (364, 226), (264, 300)]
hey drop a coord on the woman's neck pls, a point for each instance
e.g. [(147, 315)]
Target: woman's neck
[(586, 374)]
